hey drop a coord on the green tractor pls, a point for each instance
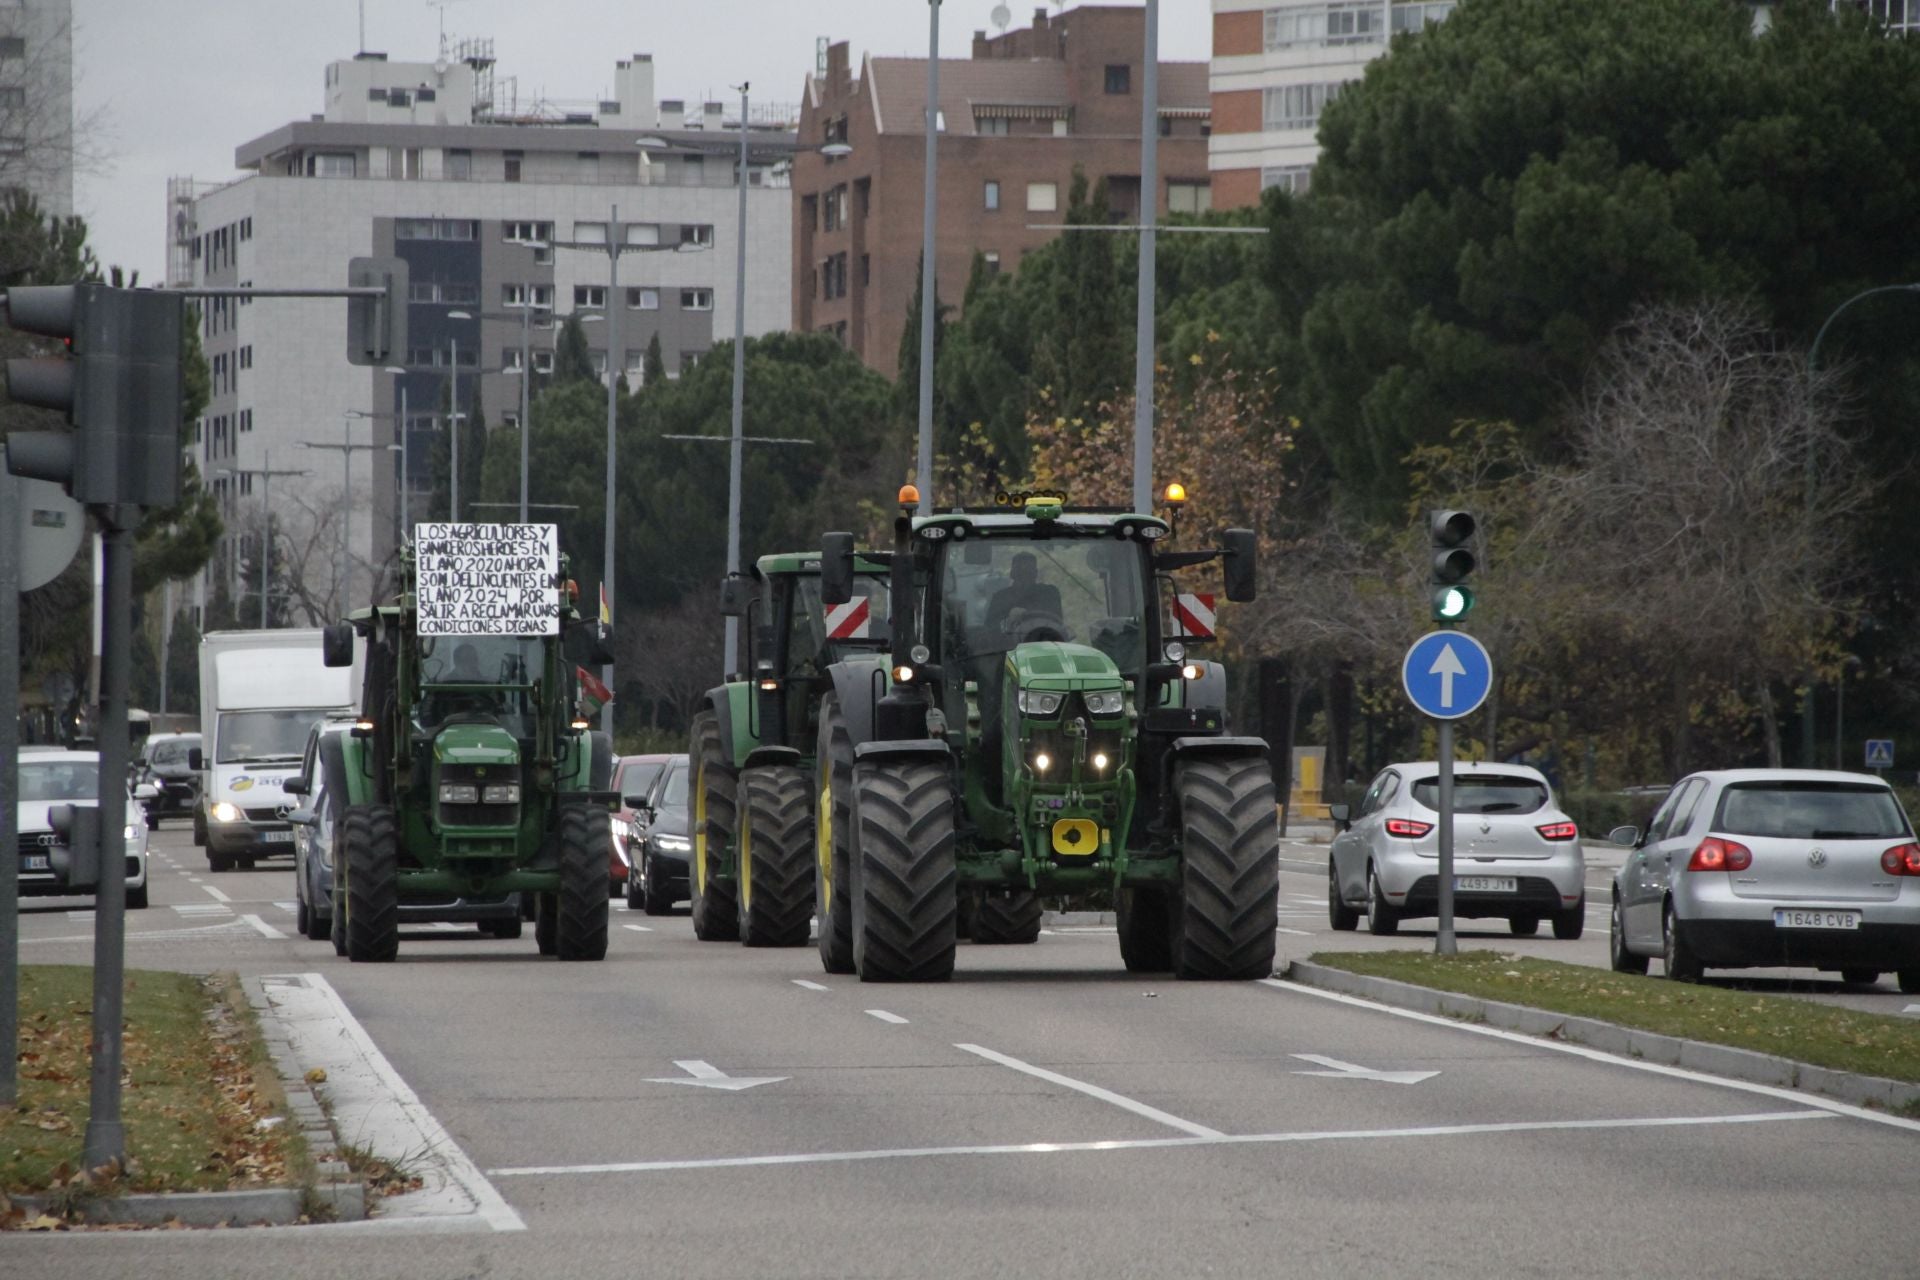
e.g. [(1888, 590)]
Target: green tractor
[(1032, 730), (470, 774), (752, 875)]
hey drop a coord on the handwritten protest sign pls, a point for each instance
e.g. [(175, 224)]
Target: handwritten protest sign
[(487, 579)]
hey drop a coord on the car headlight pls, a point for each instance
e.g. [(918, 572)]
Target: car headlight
[(673, 844), (507, 793), (224, 812), (1110, 702), (455, 793), (130, 833), (1039, 702)]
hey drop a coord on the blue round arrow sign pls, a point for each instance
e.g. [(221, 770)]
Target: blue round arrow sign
[(1447, 674)]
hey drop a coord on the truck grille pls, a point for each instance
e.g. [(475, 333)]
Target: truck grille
[(267, 814)]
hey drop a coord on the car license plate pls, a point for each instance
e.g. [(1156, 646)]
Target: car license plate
[(1485, 884), (33, 862), (1800, 918), (276, 837)]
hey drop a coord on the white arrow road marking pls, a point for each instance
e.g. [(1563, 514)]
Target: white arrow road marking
[(884, 1016), (266, 930), (708, 1076), (217, 895), (1349, 1071), (1446, 666), (811, 986)]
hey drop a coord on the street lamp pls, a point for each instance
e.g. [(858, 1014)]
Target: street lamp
[(613, 248), (454, 420), (346, 450), (266, 474), (928, 222)]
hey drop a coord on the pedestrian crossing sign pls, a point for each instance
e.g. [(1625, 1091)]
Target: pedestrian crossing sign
[(1879, 753)]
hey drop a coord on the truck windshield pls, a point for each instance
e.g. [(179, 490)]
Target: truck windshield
[(998, 592), (263, 735), (59, 780)]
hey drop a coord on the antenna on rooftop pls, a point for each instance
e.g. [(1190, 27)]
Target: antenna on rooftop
[(442, 6)]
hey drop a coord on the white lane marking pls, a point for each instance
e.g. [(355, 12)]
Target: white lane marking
[(1094, 1091), (156, 935), (1298, 933), (375, 1104), (202, 909), (638, 928), (811, 986), (1912, 1008), (265, 930), (217, 895), (80, 917), (290, 906), (1596, 1055), (884, 1016), (1339, 1070), (708, 1076), (1143, 1144)]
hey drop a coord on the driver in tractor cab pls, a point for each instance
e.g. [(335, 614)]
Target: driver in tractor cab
[(438, 704), (1026, 594)]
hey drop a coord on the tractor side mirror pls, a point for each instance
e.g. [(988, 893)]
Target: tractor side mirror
[(336, 645), (197, 759), (836, 568), (1238, 563), (736, 596)]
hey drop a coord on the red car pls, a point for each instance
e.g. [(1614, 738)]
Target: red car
[(632, 777)]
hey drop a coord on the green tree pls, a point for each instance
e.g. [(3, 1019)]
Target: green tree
[(1082, 353), (907, 376), (572, 357), (654, 368)]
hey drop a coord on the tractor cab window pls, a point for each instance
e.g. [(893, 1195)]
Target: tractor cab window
[(813, 624), (488, 676), (996, 593)]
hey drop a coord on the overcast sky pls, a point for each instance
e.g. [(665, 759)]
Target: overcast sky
[(181, 83)]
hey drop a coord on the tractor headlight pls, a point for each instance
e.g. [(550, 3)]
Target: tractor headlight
[(1042, 762), (508, 793), (1110, 702), (1100, 762), (1038, 702), (453, 793), (224, 812)]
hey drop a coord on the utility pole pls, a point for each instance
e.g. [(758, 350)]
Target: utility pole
[(736, 448), (1143, 339), (266, 474), (928, 221)]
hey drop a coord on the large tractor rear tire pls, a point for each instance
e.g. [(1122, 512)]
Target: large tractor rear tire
[(585, 832), (904, 899), (373, 883), (710, 883), (776, 856), (1007, 918), (1229, 901), (833, 838), (1146, 936)]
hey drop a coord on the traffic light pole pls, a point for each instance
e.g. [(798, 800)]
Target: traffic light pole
[(9, 812), (106, 1139), (1443, 939)]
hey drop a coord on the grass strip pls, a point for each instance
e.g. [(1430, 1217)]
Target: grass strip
[(1843, 1039), (201, 1104)]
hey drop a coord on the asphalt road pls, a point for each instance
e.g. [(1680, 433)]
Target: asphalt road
[(1044, 1113)]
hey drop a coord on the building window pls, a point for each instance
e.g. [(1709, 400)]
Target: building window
[(376, 95), (1298, 106), (460, 166), (591, 296), (1119, 79), (513, 166), (331, 164), (1189, 197), (526, 232), (1043, 197), (1060, 127), (696, 299), (516, 295), (1412, 17), (598, 359), (543, 362), (1166, 126), (509, 359), (590, 232), (833, 276), (643, 299), (990, 126), (1341, 22), (435, 229), (993, 196), (834, 209), (689, 359), (1292, 178), (643, 233), (992, 261), (700, 233), (866, 270)]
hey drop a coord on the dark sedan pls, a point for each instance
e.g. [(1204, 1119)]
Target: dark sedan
[(659, 879)]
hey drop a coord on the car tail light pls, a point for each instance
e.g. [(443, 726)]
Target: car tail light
[(1715, 854), (1557, 830), (1407, 827), (1901, 860)]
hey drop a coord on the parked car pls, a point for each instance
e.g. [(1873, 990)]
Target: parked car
[(632, 777), (1744, 867), (316, 827), (49, 776), (659, 878), (1517, 857), (163, 763)]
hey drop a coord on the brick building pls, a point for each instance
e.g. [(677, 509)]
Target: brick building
[(1015, 120)]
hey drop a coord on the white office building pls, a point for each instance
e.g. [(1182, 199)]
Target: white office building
[(481, 195), (36, 101)]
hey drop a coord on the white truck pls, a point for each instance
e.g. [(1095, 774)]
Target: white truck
[(260, 692)]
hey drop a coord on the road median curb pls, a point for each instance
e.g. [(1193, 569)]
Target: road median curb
[(1608, 1037)]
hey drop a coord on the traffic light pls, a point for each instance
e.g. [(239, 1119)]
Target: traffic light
[(1449, 532), (121, 391), (75, 860), (377, 325)]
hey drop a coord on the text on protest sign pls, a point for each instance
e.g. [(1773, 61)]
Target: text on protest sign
[(487, 579)]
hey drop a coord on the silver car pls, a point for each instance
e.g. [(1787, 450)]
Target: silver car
[(1517, 857), (1771, 867)]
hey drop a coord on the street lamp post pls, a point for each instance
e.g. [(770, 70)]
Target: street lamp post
[(454, 421), (928, 221), (1143, 338), (266, 473), (347, 449)]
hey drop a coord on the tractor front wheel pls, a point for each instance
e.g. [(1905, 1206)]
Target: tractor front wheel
[(776, 856), (904, 899), (585, 831), (710, 870), (373, 883), (1007, 918), (833, 838), (1229, 870)]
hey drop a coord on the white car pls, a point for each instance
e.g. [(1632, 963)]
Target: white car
[(1516, 856), (51, 776), (1745, 867)]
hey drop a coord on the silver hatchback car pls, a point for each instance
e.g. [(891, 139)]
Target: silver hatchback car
[(1747, 867), (1517, 857)]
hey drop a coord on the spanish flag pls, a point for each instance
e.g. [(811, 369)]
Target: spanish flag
[(606, 614)]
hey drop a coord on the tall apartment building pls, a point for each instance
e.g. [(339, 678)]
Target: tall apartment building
[(1015, 120), (1276, 65), (479, 194), (36, 101)]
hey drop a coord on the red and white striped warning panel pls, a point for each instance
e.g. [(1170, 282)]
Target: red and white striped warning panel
[(850, 621), (1193, 615)]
